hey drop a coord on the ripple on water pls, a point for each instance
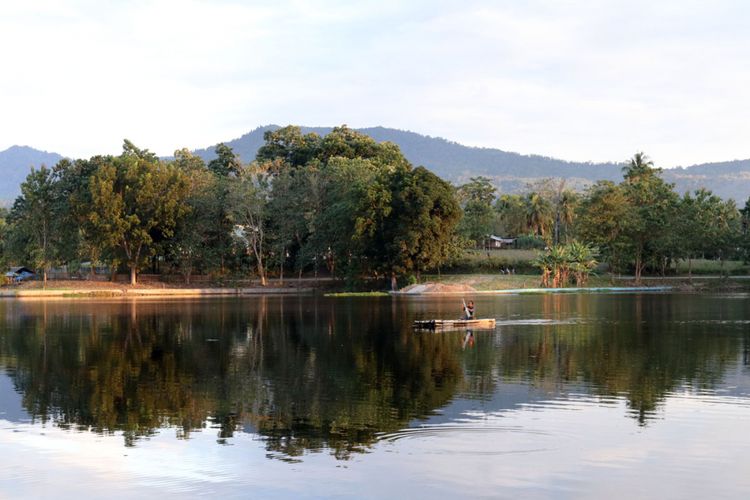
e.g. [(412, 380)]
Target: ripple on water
[(485, 433), (713, 322), (539, 321), (473, 439)]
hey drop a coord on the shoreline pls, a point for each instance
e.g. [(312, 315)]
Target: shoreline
[(456, 285), (541, 291), (94, 293)]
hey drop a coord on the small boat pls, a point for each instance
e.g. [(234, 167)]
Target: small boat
[(454, 324)]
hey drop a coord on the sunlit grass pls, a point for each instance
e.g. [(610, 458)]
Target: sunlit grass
[(710, 266), (505, 281)]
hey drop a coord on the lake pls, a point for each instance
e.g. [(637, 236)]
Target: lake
[(571, 396)]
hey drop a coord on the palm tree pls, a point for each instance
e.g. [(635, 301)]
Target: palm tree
[(538, 214), (640, 165), (567, 201)]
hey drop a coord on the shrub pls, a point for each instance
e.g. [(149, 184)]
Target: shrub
[(561, 263)]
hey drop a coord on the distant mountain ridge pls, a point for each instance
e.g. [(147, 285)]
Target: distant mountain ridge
[(510, 172), (449, 160), (513, 172), (15, 165)]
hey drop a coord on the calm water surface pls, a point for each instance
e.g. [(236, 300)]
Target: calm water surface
[(572, 396)]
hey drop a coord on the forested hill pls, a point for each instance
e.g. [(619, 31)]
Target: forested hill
[(15, 164), (447, 159), (512, 172)]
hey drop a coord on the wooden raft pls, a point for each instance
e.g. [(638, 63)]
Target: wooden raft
[(454, 324)]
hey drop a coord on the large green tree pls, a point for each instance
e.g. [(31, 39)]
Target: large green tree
[(82, 242), (289, 145), (35, 217), (354, 204), (425, 216), (187, 249), (479, 219), (137, 200), (511, 209), (248, 202), (653, 204), (225, 167), (602, 219)]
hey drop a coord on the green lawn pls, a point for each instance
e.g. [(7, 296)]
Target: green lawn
[(492, 261), (705, 266), (504, 281)]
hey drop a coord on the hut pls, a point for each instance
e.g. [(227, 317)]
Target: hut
[(498, 242), (18, 274)]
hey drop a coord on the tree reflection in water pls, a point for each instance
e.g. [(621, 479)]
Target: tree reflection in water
[(313, 374), (305, 374)]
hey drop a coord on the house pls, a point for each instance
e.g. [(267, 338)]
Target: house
[(498, 242), (19, 274)]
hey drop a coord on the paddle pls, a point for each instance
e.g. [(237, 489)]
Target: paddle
[(466, 309)]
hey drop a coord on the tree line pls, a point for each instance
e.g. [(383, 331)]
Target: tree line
[(342, 202), (638, 225), (351, 206)]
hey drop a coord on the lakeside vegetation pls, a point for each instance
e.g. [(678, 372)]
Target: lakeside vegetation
[(346, 206), (343, 204), (640, 225)]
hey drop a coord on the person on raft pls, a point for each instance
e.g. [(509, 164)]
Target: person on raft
[(469, 310)]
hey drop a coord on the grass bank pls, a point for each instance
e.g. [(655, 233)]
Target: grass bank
[(493, 261), (707, 266), (485, 282)]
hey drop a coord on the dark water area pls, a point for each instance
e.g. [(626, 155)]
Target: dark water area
[(571, 396)]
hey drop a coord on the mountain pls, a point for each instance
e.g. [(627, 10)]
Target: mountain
[(730, 179), (513, 172), (15, 164), (510, 172)]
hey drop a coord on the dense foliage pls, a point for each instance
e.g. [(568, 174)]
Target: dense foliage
[(351, 206), (639, 225), (342, 201)]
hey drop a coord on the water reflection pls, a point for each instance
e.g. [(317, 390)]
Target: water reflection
[(306, 375), (468, 339), (313, 374)]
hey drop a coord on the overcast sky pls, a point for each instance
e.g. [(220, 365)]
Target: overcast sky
[(577, 80)]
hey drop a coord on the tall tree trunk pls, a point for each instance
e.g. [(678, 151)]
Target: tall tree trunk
[(261, 269), (638, 270), (261, 273), (133, 275), (639, 263)]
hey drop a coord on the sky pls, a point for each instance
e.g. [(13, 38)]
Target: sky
[(577, 80)]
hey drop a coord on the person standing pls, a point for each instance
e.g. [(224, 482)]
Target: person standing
[(469, 310)]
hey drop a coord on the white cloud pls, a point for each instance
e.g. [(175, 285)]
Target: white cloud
[(569, 79)]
